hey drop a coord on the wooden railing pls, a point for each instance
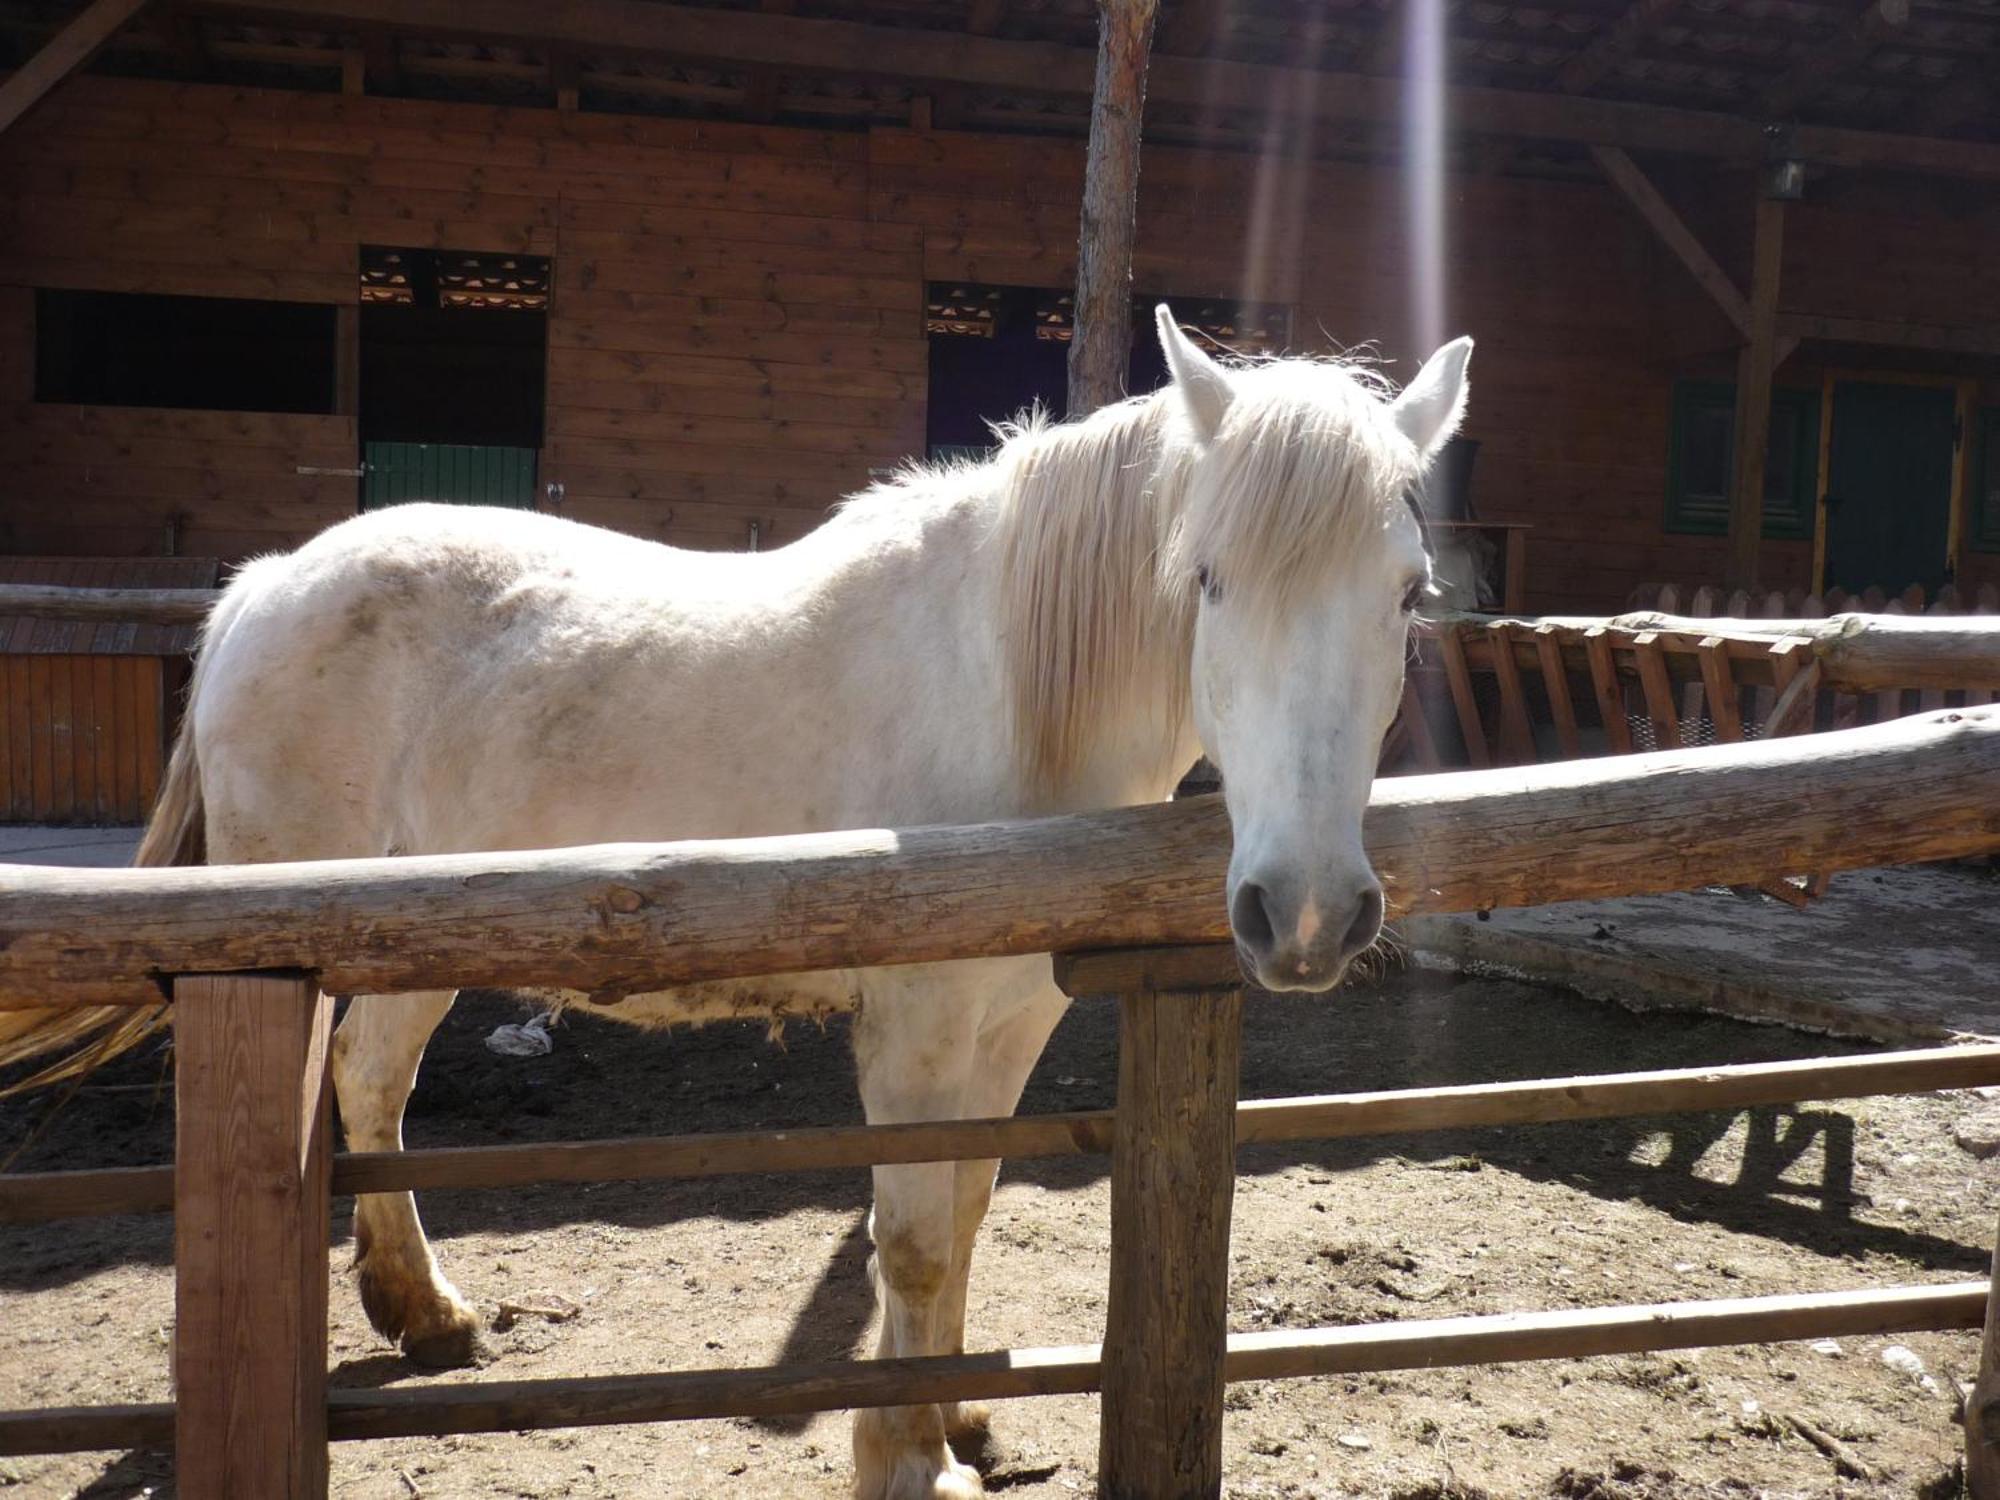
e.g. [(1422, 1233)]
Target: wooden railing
[(1495, 690)]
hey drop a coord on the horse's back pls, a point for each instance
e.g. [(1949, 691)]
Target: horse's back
[(438, 678)]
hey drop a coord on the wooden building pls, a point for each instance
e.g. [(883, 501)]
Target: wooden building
[(695, 271)]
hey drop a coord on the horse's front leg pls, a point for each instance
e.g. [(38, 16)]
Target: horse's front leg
[(914, 1055), (375, 1057)]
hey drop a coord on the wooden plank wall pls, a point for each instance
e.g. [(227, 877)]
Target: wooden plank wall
[(83, 741), (733, 339), (736, 329)]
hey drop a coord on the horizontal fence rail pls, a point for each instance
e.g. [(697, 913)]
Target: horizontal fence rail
[(623, 919), (1857, 653), (122, 606), (787, 1390), (61, 1195)]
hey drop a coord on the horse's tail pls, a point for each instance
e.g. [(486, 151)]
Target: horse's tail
[(90, 1036)]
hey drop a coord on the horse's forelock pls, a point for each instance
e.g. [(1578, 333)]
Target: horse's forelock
[(1308, 468)]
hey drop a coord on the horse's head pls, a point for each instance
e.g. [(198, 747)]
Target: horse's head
[(1307, 566)]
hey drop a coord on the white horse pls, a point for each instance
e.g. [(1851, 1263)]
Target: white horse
[(1226, 565)]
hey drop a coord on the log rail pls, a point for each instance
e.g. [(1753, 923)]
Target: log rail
[(621, 919)]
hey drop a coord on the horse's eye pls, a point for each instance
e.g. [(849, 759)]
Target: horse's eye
[(1204, 580), (1413, 596)]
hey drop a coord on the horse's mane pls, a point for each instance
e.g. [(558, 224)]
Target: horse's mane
[(1104, 522)]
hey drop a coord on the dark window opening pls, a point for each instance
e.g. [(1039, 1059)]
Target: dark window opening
[(995, 351), (193, 353), (1700, 465), (453, 375)]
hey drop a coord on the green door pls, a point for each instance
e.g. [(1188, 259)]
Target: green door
[(1888, 490), (394, 473)]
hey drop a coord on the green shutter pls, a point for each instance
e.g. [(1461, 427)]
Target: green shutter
[(1701, 452), (397, 473)]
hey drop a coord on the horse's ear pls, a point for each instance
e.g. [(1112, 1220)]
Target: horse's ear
[(1203, 385), (1430, 407)]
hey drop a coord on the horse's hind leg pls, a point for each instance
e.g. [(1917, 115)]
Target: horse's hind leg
[(1007, 1050), (375, 1057)]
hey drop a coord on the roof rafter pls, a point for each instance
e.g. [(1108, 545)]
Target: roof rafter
[(819, 46), (1820, 66), (65, 52)]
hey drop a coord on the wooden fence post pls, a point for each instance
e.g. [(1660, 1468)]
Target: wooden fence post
[(1982, 1407), (1173, 1179), (252, 1194)]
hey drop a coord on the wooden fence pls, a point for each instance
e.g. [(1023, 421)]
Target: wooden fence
[(249, 955), (1495, 690)]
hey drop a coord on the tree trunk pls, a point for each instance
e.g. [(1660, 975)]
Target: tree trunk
[(1100, 347)]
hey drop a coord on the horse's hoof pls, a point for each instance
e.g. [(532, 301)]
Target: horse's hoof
[(445, 1341), (900, 1454), (967, 1419)]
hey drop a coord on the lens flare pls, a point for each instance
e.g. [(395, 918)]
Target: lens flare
[(1424, 170)]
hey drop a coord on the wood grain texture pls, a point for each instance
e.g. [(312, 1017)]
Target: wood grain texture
[(620, 919), (252, 1200), (1753, 399), (1555, 683), (146, 606), (679, 1395), (43, 1196), (1982, 1407), (1173, 1180)]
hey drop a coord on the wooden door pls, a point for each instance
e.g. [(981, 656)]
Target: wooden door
[(1888, 493)]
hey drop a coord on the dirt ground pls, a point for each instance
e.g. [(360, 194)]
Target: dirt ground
[(743, 1271)]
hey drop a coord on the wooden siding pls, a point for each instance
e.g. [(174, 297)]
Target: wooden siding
[(84, 737), (735, 333)]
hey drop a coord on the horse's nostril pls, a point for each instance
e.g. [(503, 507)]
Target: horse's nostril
[(1367, 923), (1250, 916)]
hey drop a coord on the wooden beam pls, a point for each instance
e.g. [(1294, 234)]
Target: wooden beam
[(660, 28), (1639, 191), (1100, 348), (1611, 45), (44, 1196), (65, 52), (628, 919), (48, 601), (685, 1395), (1889, 334), (252, 1196), (1820, 66), (1752, 431), (353, 70)]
